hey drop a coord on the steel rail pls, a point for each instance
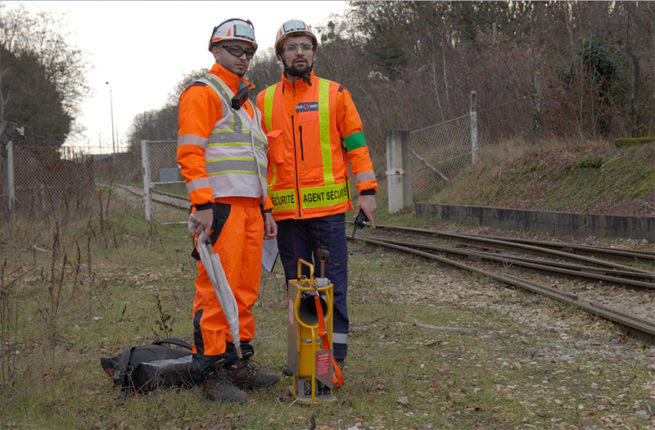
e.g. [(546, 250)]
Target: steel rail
[(584, 272), (157, 196), (627, 253), (641, 326), (505, 243), (601, 270)]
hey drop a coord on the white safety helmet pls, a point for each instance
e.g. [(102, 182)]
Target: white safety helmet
[(293, 27), (233, 29)]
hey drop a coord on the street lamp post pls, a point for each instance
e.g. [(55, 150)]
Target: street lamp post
[(111, 108)]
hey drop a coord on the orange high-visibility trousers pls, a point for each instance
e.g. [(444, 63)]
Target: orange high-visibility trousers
[(239, 247)]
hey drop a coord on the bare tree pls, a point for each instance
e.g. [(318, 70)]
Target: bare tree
[(45, 74), (4, 99)]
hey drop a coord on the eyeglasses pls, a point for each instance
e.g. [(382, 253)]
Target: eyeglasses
[(293, 47), (238, 51)]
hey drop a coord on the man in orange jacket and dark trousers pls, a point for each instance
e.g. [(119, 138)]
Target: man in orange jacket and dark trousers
[(221, 151), (314, 131)]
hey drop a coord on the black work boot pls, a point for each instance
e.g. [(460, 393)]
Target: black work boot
[(243, 374), (217, 385), (214, 389)]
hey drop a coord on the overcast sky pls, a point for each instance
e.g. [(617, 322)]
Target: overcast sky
[(144, 48)]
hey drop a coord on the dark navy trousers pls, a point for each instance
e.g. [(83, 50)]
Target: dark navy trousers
[(302, 239)]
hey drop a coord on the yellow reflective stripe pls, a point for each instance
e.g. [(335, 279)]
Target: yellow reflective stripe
[(283, 199), (227, 93), (324, 126), (268, 122), (268, 107), (274, 176), (327, 195)]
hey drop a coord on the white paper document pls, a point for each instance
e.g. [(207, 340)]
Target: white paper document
[(269, 254)]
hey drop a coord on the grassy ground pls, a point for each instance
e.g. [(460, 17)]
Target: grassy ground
[(430, 346), (77, 290)]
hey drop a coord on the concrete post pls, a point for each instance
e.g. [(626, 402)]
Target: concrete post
[(7, 171), (11, 191), (145, 164), (474, 129), (399, 181)]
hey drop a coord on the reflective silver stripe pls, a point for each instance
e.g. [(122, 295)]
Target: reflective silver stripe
[(191, 139), (225, 184), (339, 337), (223, 137), (197, 184), (231, 165), (232, 150), (364, 176)]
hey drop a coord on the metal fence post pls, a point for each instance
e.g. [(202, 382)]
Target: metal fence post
[(474, 129), (399, 182), (145, 164)]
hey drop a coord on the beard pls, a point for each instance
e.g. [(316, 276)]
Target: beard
[(295, 70)]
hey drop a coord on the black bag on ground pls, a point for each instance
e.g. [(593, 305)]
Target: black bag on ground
[(141, 369)]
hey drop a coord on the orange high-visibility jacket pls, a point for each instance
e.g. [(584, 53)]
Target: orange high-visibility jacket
[(221, 151), (313, 131)]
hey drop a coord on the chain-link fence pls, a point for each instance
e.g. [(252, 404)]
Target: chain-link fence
[(440, 152), (161, 175), (37, 181)]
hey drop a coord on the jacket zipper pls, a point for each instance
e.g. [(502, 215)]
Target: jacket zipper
[(302, 151), (295, 162)]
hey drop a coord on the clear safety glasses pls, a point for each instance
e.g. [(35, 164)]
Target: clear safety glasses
[(293, 47)]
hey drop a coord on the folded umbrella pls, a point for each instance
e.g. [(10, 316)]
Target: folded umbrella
[(212, 263)]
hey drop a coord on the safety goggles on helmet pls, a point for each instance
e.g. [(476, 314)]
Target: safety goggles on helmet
[(233, 29), (293, 27)]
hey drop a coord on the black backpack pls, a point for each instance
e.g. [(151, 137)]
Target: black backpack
[(141, 369)]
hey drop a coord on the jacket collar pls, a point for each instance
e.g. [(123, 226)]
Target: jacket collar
[(300, 83), (229, 78)]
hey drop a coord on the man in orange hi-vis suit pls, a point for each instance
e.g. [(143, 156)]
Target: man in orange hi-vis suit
[(314, 131), (221, 151)]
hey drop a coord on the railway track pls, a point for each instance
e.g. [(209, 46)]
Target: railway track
[(516, 261), (158, 197), (520, 254), (496, 256)]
